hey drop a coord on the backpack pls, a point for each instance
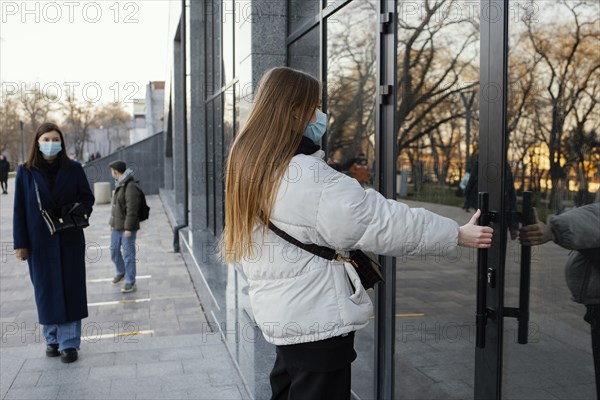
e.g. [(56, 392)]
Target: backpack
[(144, 210)]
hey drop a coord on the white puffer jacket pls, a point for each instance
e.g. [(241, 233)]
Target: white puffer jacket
[(297, 297)]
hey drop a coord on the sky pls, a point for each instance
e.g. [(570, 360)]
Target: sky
[(105, 50)]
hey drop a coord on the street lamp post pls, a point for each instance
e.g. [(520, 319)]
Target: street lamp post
[(468, 102)]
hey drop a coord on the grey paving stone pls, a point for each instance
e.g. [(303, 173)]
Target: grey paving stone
[(163, 368), (35, 393), (187, 382), (42, 363), (136, 357), (87, 390), (217, 393), (175, 395), (26, 380), (113, 371), (9, 368), (96, 359), (219, 378), (194, 366), (214, 351), (129, 388), (573, 392), (72, 374), (181, 353)]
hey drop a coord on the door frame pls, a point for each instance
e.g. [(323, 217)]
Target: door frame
[(492, 163)]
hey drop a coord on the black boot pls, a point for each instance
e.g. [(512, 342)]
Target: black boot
[(68, 355), (52, 350)]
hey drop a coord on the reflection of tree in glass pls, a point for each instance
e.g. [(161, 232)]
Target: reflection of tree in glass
[(555, 69), (351, 81), (437, 59)]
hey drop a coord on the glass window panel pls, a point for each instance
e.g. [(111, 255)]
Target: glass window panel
[(351, 77), (437, 83), (553, 152), (302, 11), (303, 54), (219, 212), (217, 59), (209, 39), (229, 14), (210, 165)]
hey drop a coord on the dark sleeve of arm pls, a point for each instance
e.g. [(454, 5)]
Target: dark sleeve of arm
[(577, 229), (84, 192), (132, 201), (20, 234)]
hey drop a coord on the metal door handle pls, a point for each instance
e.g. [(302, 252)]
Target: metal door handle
[(482, 275), (524, 283)]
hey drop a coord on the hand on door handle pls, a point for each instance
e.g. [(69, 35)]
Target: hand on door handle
[(536, 233), (475, 236)]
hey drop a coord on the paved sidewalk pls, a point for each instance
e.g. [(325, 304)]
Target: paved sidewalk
[(150, 344)]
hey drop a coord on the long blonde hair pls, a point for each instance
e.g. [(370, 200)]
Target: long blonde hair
[(285, 102)]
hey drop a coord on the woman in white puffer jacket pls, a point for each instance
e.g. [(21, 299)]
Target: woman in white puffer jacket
[(309, 307)]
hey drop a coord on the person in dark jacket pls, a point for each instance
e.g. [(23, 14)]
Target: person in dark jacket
[(4, 168), (125, 223), (577, 230), (56, 262)]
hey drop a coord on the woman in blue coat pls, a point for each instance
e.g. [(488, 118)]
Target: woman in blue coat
[(56, 262)]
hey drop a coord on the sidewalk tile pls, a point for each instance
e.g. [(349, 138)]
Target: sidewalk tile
[(163, 368)]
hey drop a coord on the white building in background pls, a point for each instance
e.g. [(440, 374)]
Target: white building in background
[(137, 130), (155, 95), (147, 120), (148, 113)]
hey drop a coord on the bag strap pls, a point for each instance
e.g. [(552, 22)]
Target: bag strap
[(37, 192), (320, 251)]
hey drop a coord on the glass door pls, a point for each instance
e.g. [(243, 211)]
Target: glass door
[(538, 151), (552, 130)]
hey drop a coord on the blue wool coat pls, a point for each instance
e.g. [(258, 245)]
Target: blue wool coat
[(56, 262)]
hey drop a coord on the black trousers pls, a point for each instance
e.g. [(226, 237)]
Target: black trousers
[(4, 186), (314, 371), (592, 316)]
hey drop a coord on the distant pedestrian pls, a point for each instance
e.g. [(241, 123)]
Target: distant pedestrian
[(4, 169), (56, 261), (125, 222), (306, 305)]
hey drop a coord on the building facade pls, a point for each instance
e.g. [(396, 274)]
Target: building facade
[(428, 89)]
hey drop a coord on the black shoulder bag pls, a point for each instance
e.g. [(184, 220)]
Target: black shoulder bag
[(369, 270), (70, 217)]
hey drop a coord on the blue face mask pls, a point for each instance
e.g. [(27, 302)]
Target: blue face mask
[(50, 149), (316, 130)]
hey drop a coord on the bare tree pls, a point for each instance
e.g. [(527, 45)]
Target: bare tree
[(80, 117), (10, 134), (435, 53), (37, 107), (569, 64), (351, 86), (115, 120)]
